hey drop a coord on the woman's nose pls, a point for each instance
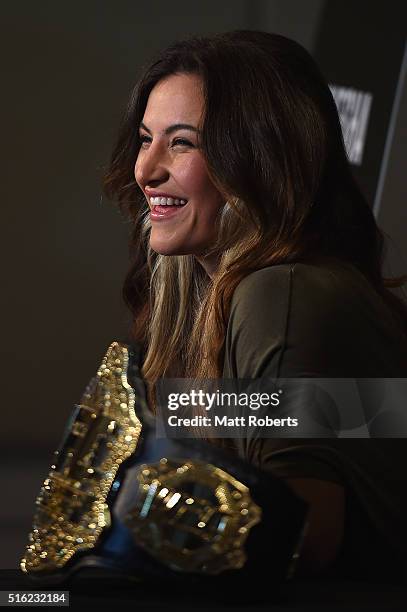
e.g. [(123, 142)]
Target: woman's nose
[(151, 166)]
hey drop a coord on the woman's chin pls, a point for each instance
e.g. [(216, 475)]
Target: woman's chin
[(166, 249)]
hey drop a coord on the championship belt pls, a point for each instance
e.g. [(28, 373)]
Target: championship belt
[(121, 502)]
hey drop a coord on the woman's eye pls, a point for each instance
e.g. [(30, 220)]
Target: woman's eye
[(144, 139), (181, 141)]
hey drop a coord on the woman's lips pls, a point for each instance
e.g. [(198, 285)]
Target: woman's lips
[(165, 212)]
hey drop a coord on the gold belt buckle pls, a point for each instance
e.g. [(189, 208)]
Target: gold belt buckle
[(192, 516)]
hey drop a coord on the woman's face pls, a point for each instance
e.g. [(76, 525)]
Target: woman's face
[(171, 170)]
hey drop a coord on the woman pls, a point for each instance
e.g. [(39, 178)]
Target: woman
[(254, 254)]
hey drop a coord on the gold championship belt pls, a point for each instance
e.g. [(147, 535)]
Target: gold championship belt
[(123, 502), (103, 432)]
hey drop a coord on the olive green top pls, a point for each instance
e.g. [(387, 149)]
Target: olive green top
[(324, 320)]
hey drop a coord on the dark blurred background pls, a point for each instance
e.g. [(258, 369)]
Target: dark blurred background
[(68, 67)]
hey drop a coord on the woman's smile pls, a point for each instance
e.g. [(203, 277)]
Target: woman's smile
[(161, 212), (163, 206)]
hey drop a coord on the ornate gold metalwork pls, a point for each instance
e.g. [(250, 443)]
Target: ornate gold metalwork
[(192, 516), (103, 432)]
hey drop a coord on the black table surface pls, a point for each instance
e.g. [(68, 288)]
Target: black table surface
[(299, 596)]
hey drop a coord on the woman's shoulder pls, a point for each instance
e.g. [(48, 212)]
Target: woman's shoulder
[(320, 318), (319, 291), (303, 285), (279, 308)]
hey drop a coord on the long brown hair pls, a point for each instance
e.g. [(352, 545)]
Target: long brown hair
[(273, 145)]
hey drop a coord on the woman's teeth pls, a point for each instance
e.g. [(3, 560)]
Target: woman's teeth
[(159, 201)]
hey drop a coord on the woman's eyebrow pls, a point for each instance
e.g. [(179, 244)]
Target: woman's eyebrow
[(173, 128)]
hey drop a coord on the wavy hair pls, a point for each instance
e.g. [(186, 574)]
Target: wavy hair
[(273, 145)]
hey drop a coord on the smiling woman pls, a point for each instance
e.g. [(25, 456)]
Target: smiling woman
[(255, 256), (172, 172), (255, 259)]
